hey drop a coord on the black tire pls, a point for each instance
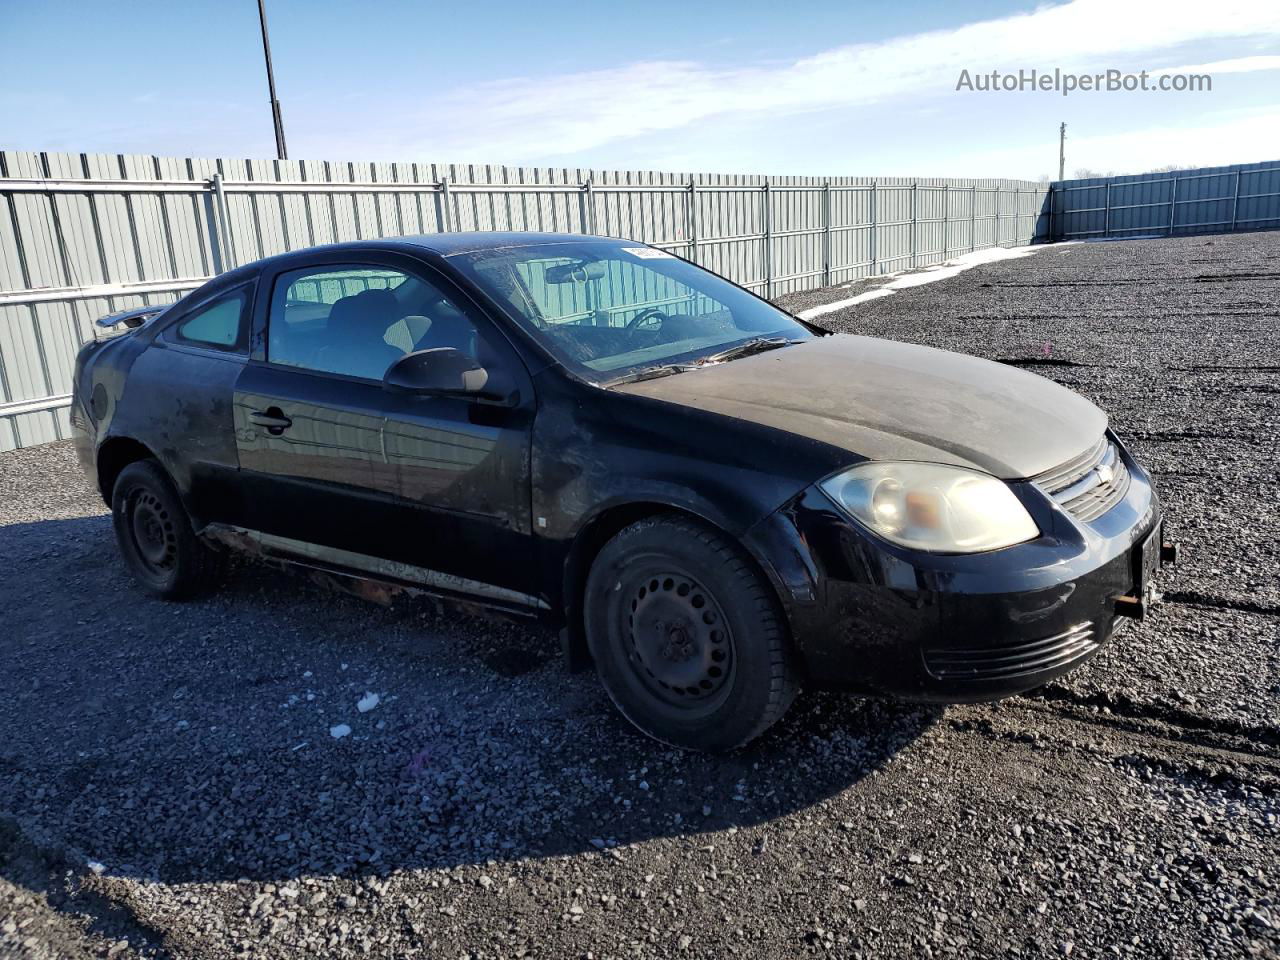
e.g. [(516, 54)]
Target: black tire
[(687, 636), (153, 530)]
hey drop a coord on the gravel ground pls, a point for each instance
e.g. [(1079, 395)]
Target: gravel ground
[(169, 784)]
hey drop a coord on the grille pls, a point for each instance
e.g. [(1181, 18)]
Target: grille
[(1089, 485), (1001, 663)]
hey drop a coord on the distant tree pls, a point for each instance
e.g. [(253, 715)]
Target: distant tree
[(1088, 173), (1044, 178)]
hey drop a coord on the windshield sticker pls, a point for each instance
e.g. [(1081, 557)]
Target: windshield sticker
[(648, 253)]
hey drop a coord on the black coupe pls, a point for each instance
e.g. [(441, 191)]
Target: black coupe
[(716, 502)]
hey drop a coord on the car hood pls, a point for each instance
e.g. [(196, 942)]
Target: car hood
[(885, 400)]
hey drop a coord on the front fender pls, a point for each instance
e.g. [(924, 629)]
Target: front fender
[(599, 453)]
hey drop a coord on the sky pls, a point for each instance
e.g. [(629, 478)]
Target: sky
[(749, 86)]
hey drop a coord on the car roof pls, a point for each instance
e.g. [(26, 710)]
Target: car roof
[(448, 244), (442, 244)]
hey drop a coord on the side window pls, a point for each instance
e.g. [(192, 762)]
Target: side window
[(217, 324), (358, 320)]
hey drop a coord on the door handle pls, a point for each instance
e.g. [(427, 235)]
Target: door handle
[(272, 418)]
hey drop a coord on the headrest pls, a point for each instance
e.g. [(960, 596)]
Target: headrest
[(371, 310)]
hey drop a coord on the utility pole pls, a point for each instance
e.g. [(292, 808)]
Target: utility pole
[(281, 152), (1062, 150)]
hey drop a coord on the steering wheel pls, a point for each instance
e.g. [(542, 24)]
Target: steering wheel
[(645, 316)]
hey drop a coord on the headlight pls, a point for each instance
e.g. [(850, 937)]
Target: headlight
[(933, 507)]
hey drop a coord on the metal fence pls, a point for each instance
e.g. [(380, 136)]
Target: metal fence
[(1206, 200), (85, 235)]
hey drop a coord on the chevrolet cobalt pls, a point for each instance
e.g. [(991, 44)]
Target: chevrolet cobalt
[(715, 502)]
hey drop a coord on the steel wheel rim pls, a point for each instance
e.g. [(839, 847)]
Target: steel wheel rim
[(150, 527), (678, 642)]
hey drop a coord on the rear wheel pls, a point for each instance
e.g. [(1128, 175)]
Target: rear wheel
[(154, 533), (687, 636)]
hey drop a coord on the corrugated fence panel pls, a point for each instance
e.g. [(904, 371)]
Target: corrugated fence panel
[(184, 222), (77, 220), (1258, 207), (113, 211), (33, 223), (215, 246), (1203, 200), (145, 230)]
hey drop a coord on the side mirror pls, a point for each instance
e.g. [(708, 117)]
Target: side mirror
[(445, 372)]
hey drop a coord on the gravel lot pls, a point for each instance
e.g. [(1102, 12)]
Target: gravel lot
[(169, 785)]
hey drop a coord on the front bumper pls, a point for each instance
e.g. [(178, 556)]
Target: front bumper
[(875, 618)]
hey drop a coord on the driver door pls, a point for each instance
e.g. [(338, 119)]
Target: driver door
[(427, 489)]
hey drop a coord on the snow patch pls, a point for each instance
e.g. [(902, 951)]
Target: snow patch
[(875, 294), (368, 702), (941, 271), (340, 731)]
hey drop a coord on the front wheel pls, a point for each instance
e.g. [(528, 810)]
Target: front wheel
[(154, 533), (687, 636)]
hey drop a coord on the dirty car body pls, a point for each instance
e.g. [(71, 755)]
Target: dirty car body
[(480, 416)]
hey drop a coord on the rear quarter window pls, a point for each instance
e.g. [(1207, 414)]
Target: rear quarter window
[(220, 323)]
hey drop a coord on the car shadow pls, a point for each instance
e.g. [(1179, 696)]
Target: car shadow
[(196, 742)]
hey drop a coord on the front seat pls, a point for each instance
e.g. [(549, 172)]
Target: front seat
[(355, 331), (449, 328)]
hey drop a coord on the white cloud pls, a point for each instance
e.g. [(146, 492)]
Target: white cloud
[(1213, 144), (1236, 65), (1242, 136), (538, 117)]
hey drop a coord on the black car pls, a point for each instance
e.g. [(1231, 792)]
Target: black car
[(716, 502)]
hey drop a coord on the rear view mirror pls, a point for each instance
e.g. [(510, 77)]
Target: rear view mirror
[(446, 372), (578, 272)]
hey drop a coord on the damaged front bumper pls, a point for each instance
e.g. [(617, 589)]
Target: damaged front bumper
[(870, 617)]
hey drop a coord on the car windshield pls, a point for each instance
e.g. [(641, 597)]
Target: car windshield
[(611, 309)]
